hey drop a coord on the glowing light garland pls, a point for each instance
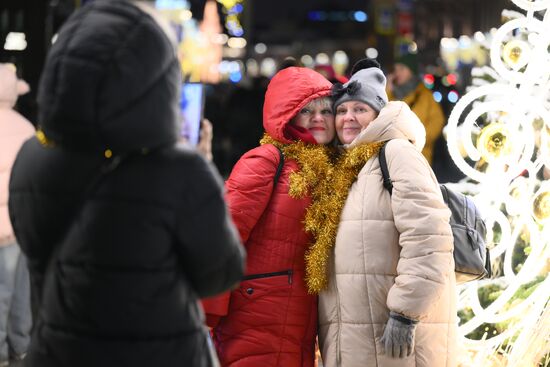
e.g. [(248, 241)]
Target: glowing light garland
[(504, 156), (233, 10)]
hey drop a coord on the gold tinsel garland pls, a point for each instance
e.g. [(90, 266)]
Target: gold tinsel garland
[(314, 162), (323, 216), (328, 185)]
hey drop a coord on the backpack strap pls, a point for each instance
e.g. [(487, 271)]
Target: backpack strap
[(386, 180), (279, 167)]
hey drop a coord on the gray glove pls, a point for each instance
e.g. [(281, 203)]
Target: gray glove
[(398, 337)]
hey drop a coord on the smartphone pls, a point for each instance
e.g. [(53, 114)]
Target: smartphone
[(192, 111)]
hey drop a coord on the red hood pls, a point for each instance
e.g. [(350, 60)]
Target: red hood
[(290, 90)]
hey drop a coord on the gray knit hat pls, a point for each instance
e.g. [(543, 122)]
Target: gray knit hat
[(367, 84)]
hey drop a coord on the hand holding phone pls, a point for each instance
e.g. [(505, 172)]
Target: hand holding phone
[(205, 141), (192, 110)]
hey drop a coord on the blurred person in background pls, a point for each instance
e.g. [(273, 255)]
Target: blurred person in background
[(328, 72), (15, 309), (404, 84), (124, 230), (270, 319), (240, 118)]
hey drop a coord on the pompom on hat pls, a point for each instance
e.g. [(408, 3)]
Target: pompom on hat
[(367, 84)]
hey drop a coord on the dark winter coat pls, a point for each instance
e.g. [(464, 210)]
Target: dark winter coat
[(272, 320), (120, 248)]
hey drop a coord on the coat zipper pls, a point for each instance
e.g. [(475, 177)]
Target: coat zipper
[(269, 275)]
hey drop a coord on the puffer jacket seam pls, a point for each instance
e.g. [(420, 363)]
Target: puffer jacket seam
[(429, 235), (62, 57), (130, 337), (285, 322), (449, 317), (363, 197), (425, 278)]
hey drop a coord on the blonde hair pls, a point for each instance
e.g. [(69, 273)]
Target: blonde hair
[(323, 102)]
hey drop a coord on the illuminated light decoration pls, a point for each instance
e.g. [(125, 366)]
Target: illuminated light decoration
[(307, 60), (541, 205), (479, 37), (236, 42), (449, 52), (233, 9), (429, 81), (509, 121), (337, 16), (219, 38), (268, 67), (170, 4), (15, 41), (252, 68), (235, 77), (516, 54), (200, 50), (495, 142), (340, 62), (438, 97), (451, 78), (186, 15), (317, 16), (452, 96), (238, 8), (260, 48), (360, 16), (322, 59)]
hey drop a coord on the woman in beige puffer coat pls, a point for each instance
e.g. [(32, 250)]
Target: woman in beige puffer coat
[(391, 273)]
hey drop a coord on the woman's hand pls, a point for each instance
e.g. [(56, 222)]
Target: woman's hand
[(205, 141), (398, 337)]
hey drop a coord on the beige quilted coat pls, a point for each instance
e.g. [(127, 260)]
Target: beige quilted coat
[(391, 253)]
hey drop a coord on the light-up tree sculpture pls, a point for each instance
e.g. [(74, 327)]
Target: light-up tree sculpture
[(503, 146)]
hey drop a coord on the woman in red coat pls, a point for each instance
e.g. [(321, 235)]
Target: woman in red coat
[(271, 318)]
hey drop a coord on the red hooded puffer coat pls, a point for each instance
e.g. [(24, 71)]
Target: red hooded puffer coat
[(272, 321)]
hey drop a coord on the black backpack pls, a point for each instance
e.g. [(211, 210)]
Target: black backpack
[(471, 256)]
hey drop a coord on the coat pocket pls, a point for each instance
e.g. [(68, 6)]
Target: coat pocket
[(256, 285)]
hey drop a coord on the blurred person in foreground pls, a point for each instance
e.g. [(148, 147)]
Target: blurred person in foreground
[(270, 319), (15, 310), (405, 85), (389, 297), (124, 230)]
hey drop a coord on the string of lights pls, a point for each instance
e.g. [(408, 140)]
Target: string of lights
[(499, 136)]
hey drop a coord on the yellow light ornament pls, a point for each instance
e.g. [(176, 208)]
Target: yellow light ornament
[(494, 142), (541, 207), (516, 54), (228, 4)]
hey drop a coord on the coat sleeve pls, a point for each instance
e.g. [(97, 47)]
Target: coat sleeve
[(421, 217), (210, 250), (250, 186)]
